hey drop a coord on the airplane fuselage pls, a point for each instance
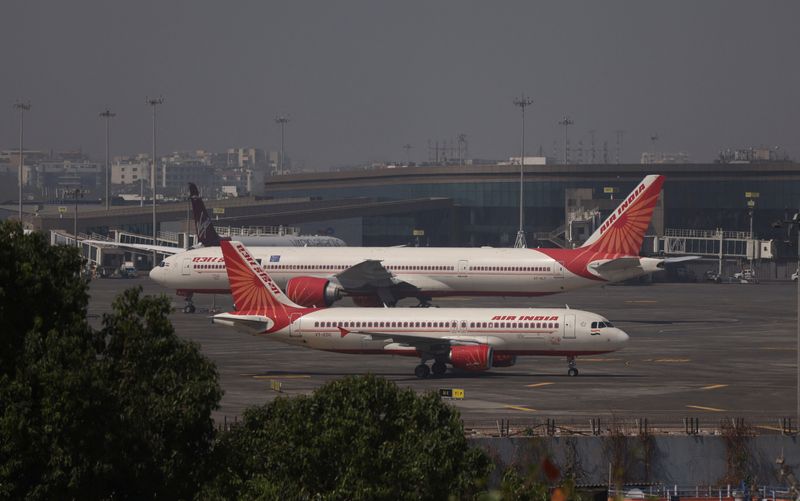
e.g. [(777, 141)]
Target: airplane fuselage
[(434, 272), (509, 332)]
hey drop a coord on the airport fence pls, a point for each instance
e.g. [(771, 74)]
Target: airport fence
[(628, 426)]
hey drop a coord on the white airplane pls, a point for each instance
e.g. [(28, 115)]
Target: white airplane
[(474, 339), (382, 275), (208, 236)]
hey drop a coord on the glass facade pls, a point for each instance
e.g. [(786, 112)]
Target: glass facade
[(486, 209)]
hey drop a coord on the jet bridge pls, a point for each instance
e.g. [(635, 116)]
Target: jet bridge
[(712, 243)]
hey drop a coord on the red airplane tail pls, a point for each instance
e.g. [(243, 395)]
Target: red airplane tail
[(623, 231), (251, 286)]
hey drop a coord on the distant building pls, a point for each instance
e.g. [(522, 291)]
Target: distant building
[(529, 161), (246, 157), (131, 170), (655, 157), (53, 178), (750, 155)]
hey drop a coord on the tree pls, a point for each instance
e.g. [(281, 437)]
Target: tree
[(123, 412), (354, 438)]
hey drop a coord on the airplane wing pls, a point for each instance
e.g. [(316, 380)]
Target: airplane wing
[(418, 341), (371, 277), (161, 249)]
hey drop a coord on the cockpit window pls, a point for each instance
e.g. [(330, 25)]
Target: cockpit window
[(609, 324), (161, 264), (594, 325)]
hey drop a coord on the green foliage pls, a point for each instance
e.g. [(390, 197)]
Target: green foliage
[(355, 438), (38, 287), (165, 391), (123, 412)]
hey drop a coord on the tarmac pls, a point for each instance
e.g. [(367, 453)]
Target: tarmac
[(696, 350)]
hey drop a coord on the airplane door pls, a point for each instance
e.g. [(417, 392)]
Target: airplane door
[(569, 326), (559, 269), (294, 325), (463, 266), (186, 269)]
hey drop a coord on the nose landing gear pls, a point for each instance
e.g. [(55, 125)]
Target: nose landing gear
[(573, 366), (189, 306)]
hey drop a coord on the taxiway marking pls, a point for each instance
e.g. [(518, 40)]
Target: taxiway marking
[(289, 376), (538, 385), (702, 408), (672, 360), (520, 408), (713, 386)]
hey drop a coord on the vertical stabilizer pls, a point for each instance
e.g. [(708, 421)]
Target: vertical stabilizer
[(251, 286), (205, 228), (624, 230)]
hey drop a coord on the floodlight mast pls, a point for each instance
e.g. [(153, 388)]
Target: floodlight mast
[(22, 107), (522, 102), (154, 103), (108, 115), (282, 120), (566, 122)]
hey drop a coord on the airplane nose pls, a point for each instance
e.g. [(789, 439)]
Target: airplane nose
[(622, 337), (157, 274)]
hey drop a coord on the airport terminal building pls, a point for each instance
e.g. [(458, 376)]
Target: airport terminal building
[(480, 203)]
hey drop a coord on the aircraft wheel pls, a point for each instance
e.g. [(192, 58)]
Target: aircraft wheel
[(439, 368), (422, 371), (189, 308), (572, 372)]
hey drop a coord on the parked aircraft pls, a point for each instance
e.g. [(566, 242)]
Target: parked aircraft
[(383, 275), (474, 339)]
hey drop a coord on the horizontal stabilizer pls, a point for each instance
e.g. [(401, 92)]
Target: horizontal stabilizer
[(680, 259), (619, 264), (247, 323)]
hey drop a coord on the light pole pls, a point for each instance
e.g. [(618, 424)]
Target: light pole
[(77, 192), (408, 147), (281, 120), (108, 114), (22, 107), (566, 122), (795, 222), (520, 243), (154, 103)]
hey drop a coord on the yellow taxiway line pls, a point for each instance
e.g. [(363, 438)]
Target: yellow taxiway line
[(538, 385), (702, 408), (672, 360), (713, 386), (520, 408)]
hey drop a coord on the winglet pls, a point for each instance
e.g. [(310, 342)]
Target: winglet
[(205, 228)]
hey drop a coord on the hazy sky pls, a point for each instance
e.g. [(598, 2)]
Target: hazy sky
[(360, 79)]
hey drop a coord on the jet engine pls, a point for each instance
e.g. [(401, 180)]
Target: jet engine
[(472, 358), (312, 291), (499, 360)]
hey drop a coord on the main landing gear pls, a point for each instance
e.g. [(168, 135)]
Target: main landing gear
[(573, 366), (438, 369), (424, 302)]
